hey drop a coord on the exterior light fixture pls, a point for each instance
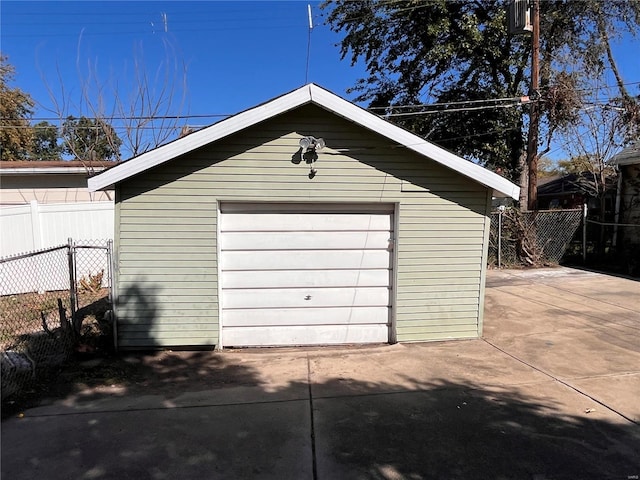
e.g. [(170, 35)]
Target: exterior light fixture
[(309, 146), (311, 143)]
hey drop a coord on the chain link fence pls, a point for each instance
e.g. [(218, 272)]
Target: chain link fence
[(50, 301), (612, 247), (531, 238)]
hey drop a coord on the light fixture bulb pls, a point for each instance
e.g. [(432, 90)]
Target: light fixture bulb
[(305, 143)]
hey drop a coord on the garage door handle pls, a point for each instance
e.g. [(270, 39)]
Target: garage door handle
[(308, 297)]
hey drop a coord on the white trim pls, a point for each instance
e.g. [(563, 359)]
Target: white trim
[(198, 139), (45, 170), (413, 142), (220, 344), (310, 93), (393, 281)]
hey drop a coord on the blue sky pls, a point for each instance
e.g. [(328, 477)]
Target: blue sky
[(237, 54)]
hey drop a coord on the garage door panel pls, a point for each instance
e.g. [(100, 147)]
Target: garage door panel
[(304, 240), (306, 297), (247, 222), (305, 335), (306, 260), (305, 316), (306, 278), (305, 274)]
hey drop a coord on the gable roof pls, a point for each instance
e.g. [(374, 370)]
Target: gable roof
[(628, 156), (307, 94)]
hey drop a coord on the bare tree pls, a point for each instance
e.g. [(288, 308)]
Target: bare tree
[(133, 111), (594, 141)]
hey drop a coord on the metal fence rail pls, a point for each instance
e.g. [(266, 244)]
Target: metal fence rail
[(44, 298), (531, 238)]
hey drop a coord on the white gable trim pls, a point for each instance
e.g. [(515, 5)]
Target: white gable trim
[(307, 94), (413, 142), (199, 139)]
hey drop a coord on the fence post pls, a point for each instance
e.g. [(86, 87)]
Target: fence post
[(585, 210), (36, 227), (110, 268), (73, 293), (112, 295), (501, 209)]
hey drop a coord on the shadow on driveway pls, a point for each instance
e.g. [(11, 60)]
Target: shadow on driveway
[(339, 428)]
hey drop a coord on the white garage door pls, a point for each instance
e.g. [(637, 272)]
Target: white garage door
[(305, 275)]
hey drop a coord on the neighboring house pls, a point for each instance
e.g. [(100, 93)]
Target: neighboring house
[(240, 235), (570, 191), (49, 182), (628, 201), (43, 204), (559, 191)]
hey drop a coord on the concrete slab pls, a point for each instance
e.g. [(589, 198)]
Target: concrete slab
[(619, 392), (551, 392), (416, 367), (455, 431), (256, 440)]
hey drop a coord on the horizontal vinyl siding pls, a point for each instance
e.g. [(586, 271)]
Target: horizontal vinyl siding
[(167, 273), (167, 237), (439, 271)]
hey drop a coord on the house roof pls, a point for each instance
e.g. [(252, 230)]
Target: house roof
[(308, 94), (571, 183), (628, 156), (29, 167)]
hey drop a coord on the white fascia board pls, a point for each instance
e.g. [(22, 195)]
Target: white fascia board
[(44, 170), (306, 94), (501, 186), (200, 138)]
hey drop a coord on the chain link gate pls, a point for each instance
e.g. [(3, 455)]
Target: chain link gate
[(44, 298)]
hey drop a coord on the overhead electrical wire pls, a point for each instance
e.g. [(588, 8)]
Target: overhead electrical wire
[(451, 110), (520, 102), (462, 102)]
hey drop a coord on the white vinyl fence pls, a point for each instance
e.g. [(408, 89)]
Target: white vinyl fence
[(36, 227), (27, 228)]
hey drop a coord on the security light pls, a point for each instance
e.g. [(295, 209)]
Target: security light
[(311, 143)]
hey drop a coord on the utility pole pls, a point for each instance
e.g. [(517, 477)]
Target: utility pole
[(534, 110)]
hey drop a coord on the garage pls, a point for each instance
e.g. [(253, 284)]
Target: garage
[(310, 275), (306, 220)]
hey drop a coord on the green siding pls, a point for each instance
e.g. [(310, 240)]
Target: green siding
[(167, 224)]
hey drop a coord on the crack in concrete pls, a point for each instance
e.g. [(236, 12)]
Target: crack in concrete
[(563, 382)]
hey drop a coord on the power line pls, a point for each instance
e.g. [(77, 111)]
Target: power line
[(451, 110), (492, 104), (446, 104), (109, 118), (138, 32)]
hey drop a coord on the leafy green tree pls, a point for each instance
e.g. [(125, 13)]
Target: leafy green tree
[(89, 139), (16, 107), (547, 168), (446, 52), (45, 142)]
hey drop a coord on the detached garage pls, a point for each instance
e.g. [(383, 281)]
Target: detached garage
[(303, 221)]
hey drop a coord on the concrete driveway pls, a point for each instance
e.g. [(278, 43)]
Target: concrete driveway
[(551, 392)]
